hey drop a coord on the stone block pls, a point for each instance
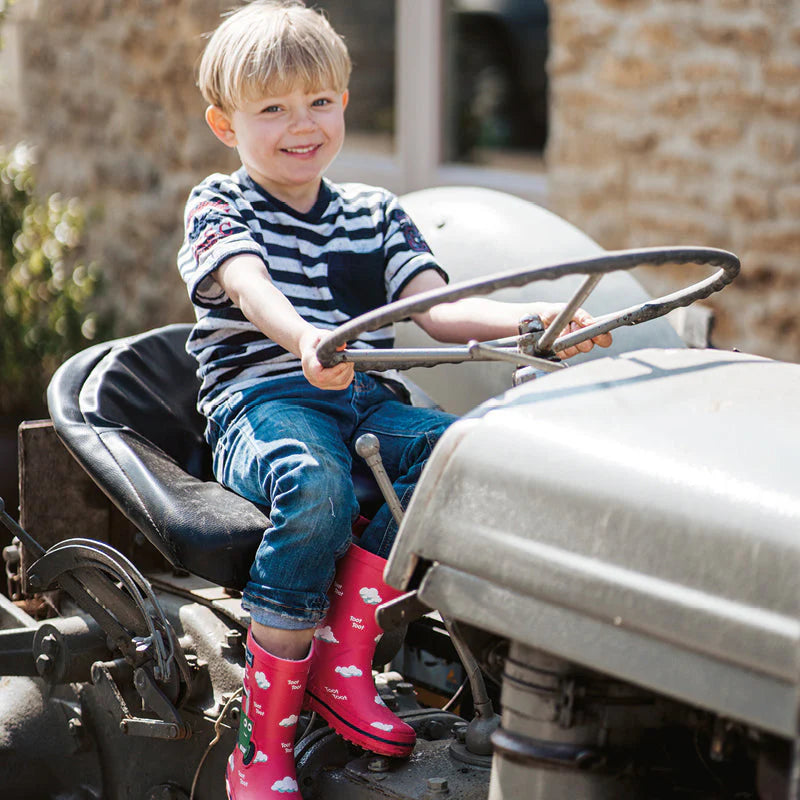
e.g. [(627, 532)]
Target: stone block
[(632, 72), (780, 145), (663, 35), (782, 72), (719, 134), (787, 201), (784, 104), (745, 35), (678, 103), (775, 237), (751, 203), (713, 70)]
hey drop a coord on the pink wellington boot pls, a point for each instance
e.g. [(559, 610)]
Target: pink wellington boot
[(262, 763), (340, 686)]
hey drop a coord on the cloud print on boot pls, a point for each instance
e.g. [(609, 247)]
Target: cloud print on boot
[(382, 726), (370, 596), (287, 784), (289, 721), (261, 680), (349, 672), (326, 635), (260, 758)]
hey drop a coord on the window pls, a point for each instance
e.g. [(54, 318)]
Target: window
[(496, 82), (455, 92), (369, 30)]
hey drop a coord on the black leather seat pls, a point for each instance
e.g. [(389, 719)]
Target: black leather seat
[(126, 410)]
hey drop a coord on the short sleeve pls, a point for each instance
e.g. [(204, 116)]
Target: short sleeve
[(214, 231), (407, 252)]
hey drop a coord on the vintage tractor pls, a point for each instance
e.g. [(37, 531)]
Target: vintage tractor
[(599, 562)]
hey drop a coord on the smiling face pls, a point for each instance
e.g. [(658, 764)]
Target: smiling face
[(285, 141)]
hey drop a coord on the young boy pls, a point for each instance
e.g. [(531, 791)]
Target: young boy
[(275, 255)]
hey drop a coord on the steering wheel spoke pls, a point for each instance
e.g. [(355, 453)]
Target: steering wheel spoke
[(366, 359), (593, 268)]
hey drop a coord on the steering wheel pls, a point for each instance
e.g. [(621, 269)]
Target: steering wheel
[(549, 342)]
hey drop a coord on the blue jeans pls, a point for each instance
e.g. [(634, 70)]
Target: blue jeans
[(288, 447)]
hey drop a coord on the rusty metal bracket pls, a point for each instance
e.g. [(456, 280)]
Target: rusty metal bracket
[(171, 728), (401, 611)]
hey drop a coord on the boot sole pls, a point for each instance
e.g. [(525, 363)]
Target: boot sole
[(347, 730)]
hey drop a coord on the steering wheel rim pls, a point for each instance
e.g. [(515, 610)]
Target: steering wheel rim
[(328, 351)]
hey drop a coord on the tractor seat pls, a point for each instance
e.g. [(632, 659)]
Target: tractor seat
[(126, 410)]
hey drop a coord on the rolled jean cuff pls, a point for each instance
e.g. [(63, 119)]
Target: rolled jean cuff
[(276, 615)]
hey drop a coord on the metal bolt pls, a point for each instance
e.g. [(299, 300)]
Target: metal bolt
[(379, 764), (460, 731), (50, 644), (438, 786), (404, 688), (233, 638), (45, 665)]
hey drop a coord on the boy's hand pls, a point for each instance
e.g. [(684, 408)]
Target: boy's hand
[(549, 311), (340, 376)]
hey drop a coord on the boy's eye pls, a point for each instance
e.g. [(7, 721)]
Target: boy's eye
[(270, 109), (321, 101)]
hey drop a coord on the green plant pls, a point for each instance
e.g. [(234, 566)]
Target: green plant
[(45, 289)]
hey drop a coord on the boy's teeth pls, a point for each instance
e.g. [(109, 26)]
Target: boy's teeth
[(300, 149)]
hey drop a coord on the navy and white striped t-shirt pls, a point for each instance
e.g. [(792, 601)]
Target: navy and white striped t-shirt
[(355, 250)]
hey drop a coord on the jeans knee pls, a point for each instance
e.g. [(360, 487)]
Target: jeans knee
[(320, 499)]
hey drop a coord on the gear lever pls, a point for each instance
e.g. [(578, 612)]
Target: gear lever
[(368, 447), (486, 721)]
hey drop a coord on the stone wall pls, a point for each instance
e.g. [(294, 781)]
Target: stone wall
[(109, 100), (678, 122), (672, 122)]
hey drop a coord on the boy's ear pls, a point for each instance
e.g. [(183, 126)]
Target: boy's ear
[(221, 125), (345, 98)]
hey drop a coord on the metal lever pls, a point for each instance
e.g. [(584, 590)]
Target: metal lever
[(486, 721), (368, 447)]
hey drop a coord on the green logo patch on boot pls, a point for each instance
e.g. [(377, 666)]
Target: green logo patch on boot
[(245, 732)]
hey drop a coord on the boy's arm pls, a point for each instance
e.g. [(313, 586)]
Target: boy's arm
[(245, 280), (481, 318)]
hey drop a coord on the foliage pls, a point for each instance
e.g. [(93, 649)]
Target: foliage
[(45, 291)]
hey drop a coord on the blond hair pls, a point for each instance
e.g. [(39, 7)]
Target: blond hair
[(270, 47)]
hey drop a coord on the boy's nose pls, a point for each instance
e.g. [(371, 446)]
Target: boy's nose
[(302, 120)]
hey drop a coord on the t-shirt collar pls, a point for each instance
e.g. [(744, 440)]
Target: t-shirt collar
[(313, 214)]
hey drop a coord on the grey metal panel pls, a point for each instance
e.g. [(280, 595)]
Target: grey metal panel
[(475, 232), (629, 655), (656, 493)]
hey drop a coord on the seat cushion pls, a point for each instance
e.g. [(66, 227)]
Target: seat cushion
[(126, 411)]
